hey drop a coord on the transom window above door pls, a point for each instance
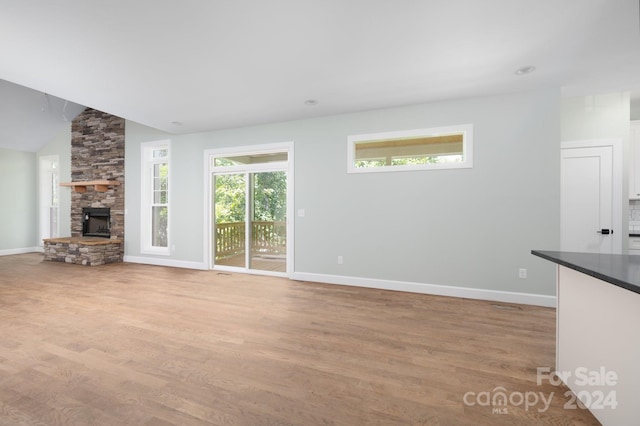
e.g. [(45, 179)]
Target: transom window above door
[(249, 159)]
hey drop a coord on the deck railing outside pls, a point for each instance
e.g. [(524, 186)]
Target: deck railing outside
[(266, 237)]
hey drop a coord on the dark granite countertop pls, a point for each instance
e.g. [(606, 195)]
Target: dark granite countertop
[(618, 269)]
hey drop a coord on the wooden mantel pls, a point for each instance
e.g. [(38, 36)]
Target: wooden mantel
[(100, 185)]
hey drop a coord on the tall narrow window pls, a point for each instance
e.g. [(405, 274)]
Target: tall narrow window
[(155, 197), (49, 202)]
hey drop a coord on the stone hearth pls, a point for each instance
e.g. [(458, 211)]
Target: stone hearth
[(88, 251)]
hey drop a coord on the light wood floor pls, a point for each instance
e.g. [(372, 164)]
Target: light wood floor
[(127, 344)]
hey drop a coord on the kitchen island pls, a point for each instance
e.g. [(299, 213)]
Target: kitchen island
[(598, 332)]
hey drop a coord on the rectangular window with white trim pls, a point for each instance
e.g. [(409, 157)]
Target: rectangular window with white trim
[(435, 148), (155, 198)]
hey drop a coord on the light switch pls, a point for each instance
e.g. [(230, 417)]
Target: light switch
[(300, 212)]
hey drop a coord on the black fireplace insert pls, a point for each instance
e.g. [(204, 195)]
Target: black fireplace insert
[(96, 222)]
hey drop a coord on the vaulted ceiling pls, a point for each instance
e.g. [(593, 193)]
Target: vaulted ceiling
[(194, 65)]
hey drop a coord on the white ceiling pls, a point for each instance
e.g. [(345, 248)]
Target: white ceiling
[(211, 64)]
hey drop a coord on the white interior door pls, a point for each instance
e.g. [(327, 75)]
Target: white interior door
[(587, 200)]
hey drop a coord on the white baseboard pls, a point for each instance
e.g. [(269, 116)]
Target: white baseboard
[(435, 289), (166, 262), (20, 251)]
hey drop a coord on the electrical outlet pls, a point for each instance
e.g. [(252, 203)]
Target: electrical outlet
[(522, 273), (340, 260)]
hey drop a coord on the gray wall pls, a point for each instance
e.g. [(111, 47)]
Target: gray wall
[(469, 227), (18, 187)]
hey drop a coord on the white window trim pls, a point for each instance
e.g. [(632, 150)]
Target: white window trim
[(145, 216), (467, 147)]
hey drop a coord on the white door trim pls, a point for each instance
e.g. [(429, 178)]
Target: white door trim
[(616, 145)]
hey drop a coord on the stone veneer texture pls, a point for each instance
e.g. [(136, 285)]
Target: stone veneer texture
[(97, 153), (88, 255)]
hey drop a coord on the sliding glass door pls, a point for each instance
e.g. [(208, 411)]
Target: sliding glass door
[(249, 212)]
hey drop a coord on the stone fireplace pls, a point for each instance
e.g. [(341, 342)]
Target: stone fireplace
[(97, 154), (97, 198)]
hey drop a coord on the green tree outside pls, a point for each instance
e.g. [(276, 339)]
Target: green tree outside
[(269, 197)]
